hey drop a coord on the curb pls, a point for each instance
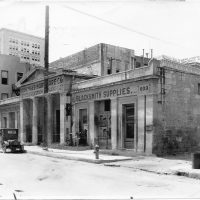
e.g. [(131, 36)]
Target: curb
[(52, 155), (179, 172), (187, 174)]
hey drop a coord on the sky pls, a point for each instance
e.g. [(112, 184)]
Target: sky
[(169, 27)]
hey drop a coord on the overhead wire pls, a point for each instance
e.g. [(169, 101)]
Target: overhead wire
[(120, 26)]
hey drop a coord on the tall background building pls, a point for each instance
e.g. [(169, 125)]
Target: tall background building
[(11, 71), (29, 48)]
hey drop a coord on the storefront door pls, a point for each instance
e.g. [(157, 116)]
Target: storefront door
[(129, 126), (56, 134), (83, 126)]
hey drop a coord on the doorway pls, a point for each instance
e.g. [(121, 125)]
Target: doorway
[(129, 125), (83, 126), (56, 134)]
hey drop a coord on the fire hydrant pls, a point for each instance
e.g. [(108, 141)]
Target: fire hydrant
[(96, 151)]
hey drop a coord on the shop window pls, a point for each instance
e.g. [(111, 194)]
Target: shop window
[(11, 119), (4, 96), (4, 122), (19, 75), (107, 105), (4, 77)]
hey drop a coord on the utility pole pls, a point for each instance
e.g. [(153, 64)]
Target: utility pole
[(46, 70), (46, 50)]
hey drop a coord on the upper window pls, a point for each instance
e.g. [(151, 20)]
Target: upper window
[(4, 77), (4, 96), (19, 75), (117, 66), (109, 67), (138, 64)]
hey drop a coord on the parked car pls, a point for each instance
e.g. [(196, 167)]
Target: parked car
[(9, 140)]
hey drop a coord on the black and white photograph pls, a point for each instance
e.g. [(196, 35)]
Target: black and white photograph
[(99, 99)]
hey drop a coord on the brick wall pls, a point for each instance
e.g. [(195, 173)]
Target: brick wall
[(79, 59), (121, 58), (177, 117), (91, 57)]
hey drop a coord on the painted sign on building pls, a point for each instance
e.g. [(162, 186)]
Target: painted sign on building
[(55, 84), (31, 90), (112, 92)]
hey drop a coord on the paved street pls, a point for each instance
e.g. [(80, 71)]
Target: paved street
[(39, 176)]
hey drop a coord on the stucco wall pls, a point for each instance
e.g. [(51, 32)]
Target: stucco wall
[(12, 65), (177, 117)]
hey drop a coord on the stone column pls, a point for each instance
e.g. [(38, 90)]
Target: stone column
[(16, 120), (114, 123), (8, 120), (92, 132), (0, 120), (22, 121), (49, 119), (141, 124), (35, 121), (62, 118), (69, 118), (149, 122)]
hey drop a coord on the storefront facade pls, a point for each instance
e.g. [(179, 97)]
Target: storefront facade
[(40, 111), (151, 107), (117, 115)]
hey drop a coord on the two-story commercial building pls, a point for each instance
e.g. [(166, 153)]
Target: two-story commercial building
[(150, 107)]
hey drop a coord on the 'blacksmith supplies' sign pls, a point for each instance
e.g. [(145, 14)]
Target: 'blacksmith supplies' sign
[(111, 92)]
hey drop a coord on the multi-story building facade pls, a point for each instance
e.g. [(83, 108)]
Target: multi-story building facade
[(11, 71), (29, 48)]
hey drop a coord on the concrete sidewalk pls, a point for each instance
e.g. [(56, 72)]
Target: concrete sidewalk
[(86, 155), (160, 166)]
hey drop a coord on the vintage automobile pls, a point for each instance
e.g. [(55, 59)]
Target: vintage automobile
[(9, 140)]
